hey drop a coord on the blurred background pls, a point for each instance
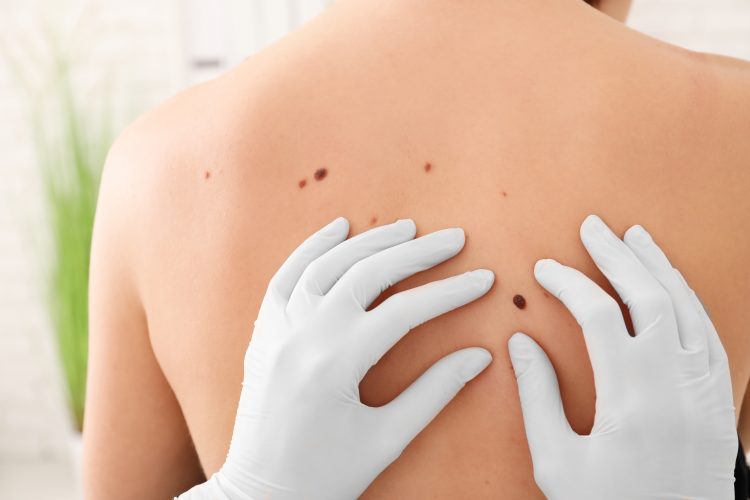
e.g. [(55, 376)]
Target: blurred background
[(72, 74)]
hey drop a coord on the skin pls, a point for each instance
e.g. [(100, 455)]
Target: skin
[(525, 135), (616, 9)]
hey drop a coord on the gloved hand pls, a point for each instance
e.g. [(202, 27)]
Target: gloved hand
[(664, 425), (301, 431)]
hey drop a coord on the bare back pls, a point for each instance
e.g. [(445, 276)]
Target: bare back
[(509, 119)]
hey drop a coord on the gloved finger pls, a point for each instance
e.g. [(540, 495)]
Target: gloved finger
[(547, 428), (717, 355), (320, 275), (403, 311), (283, 282), (413, 409), (366, 279), (691, 327), (649, 303), (595, 311)]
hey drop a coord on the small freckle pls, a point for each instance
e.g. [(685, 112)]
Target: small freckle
[(302, 183), (207, 174), (519, 301), (321, 173), (505, 194), (546, 294), (427, 167), (374, 220)]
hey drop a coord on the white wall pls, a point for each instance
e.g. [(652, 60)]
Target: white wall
[(221, 33), (138, 39), (719, 26), (156, 47)]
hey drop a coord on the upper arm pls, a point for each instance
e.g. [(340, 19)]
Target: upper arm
[(136, 442)]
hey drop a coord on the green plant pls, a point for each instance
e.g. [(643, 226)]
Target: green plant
[(71, 151), (70, 145)]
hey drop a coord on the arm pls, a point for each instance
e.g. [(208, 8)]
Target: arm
[(136, 442)]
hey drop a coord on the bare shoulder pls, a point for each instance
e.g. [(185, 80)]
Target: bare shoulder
[(172, 169), (725, 84), (134, 409), (704, 127), (184, 185), (722, 86), (151, 148)]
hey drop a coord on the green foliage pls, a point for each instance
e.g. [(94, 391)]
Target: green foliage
[(71, 151), (70, 144)]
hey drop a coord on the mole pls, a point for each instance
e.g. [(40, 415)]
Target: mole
[(374, 220), (505, 194), (321, 173), (427, 167), (519, 301), (207, 174), (302, 183)]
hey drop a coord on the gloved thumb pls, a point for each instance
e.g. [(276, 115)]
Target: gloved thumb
[(547, 427), (413, 409)]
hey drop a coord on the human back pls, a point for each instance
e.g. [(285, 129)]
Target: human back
[(512, 120)]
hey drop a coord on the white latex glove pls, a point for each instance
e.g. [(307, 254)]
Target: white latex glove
[(664, 425), (301, 431)]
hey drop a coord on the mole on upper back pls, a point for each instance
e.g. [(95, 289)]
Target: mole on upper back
[(318, 175), (321, 174)]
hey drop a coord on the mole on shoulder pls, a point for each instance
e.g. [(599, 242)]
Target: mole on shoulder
[(207, 174), (519, 301), (427, 167), (373, 220), (504, 193), (302, 183), (321, 173)]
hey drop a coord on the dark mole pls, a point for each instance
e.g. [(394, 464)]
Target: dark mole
[(374, 220), (207, 174), (427, 167), (302, 183), (321, 173), (519, 301)]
